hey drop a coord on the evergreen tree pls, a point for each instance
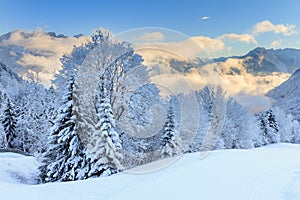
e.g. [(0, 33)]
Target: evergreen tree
[(268, 127), (64, 159), (1, 118), (9, 122), (105, 155), (171, 142), (35, 114)]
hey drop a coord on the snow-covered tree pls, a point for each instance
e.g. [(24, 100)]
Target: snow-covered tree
[(236, 131), (2, 135), (285, 124), (296, 132), (9, 122), (268, 127), (101, 55), (212, 101), (35, 109), (105, 154), (288, 126), (70, 65), (171, 143), (64, 159)]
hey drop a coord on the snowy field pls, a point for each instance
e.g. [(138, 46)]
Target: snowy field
[(271, 172)]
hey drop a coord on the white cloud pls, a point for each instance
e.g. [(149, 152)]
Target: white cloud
[(205, 18), (48, 51), (267, 26), (154, 36), (247, 38), (275, 44), (256, 103), (41, 41), (244, 81), (207, 44), (186, 49)]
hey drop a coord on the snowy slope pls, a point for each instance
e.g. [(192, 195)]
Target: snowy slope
[(271, 172), (270, 60), (16, 168), (287, 96), (10, 81)]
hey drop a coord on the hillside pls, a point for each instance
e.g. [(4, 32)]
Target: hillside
[(263, 173), (287, 96)]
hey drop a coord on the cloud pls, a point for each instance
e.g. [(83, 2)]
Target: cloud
[(207, 44), (42, 41), (267, 26), (187, 49), (256, 103), (275, 44), (205, 18), (154, 36), (42, 51), (247, 38)]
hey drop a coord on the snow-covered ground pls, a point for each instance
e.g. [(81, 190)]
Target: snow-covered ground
[(271, 172)]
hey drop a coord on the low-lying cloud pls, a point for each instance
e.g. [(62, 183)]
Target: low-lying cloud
[(45, 49), (184, 50)]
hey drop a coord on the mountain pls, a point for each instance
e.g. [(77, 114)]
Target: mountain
[(255, 73), (10, 82), (261, 60), (36, 52), (258, 71), (287, 95)]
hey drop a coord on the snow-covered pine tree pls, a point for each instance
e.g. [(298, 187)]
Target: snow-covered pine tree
[(64, 159), (171, 143), (268, 127), (9, 122), (2, 135), (105, 155)]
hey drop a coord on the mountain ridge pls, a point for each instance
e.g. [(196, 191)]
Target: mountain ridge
[(255, 73)]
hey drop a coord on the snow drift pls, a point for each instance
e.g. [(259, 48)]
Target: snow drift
[(271, 172)]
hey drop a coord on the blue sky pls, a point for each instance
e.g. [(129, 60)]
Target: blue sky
[(225, 17)]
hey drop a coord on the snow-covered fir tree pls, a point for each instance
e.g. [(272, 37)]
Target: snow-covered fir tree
[(9, 122), (268, 127), (105, 155), (171, 143), (64, 159), (2, 135)]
